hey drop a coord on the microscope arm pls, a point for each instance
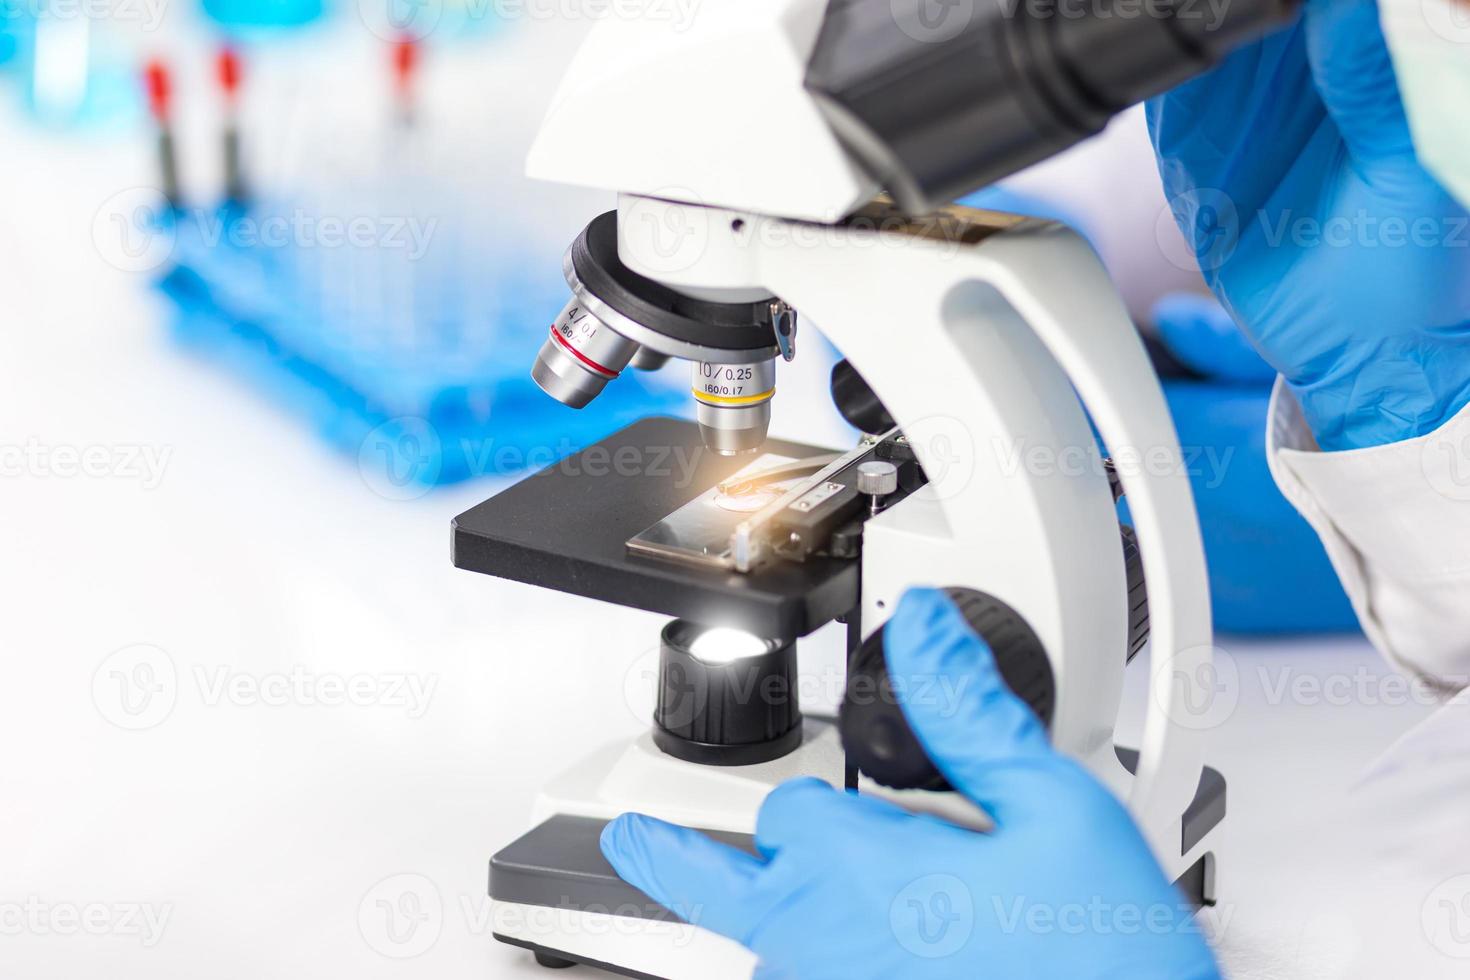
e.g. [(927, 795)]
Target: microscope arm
[(981, 346)]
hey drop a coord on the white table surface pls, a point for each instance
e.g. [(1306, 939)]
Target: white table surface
[(268, 834)]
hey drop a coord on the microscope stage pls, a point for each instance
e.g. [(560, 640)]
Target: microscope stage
[(567, 528)]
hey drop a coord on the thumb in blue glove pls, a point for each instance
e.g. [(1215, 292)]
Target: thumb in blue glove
[(849, 886)]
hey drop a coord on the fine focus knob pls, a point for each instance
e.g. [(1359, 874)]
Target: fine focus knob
[(877, 479), (725, 697), (875, 732)]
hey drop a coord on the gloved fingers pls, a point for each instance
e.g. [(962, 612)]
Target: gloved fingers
[(1207, 132), (986, 741), (1199, 331), (1355, 76), (707, 883), (810, 812)]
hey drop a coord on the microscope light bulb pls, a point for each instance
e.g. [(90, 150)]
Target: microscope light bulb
[(724, 645)]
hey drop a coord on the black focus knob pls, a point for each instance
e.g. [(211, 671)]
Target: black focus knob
[(725, 697), (875, 732)]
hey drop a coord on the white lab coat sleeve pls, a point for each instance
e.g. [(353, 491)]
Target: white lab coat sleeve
[(1395, 521)]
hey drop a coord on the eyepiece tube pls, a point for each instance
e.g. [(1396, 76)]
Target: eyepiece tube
[(939, 105)]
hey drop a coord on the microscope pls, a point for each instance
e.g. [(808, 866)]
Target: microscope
[(786, 162)]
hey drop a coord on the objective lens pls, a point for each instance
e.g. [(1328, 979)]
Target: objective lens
[(580, 357), (733, 404)]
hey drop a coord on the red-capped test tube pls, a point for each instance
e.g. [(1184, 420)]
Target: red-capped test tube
[(406, 57), (227, 72), (160, 105)]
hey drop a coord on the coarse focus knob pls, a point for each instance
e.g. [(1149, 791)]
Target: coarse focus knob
[(875, 732), (877, 479)]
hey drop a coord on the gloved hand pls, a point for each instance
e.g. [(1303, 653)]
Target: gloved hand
[(851, 886), (1292, 172), (1268, 570)]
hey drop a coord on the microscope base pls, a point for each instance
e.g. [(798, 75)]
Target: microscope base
[(552, 891)]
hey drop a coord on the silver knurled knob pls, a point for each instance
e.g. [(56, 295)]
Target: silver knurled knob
[(877, 479)]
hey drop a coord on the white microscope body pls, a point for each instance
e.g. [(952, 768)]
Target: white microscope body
[(984, 342)]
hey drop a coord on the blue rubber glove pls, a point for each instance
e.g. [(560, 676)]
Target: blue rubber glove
[(1268, 570), (1291, 170), (850, 887)]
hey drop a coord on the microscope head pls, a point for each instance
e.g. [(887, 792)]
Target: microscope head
[(705, 115)]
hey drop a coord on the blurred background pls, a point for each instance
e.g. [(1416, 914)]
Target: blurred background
[(272, 283)]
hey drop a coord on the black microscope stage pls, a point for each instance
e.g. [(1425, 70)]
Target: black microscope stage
[(567, 527)]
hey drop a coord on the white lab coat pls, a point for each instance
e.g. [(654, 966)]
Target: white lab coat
[(1395, 521), (1395, 854)]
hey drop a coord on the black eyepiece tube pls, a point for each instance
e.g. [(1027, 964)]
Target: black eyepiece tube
[(938, 98)]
